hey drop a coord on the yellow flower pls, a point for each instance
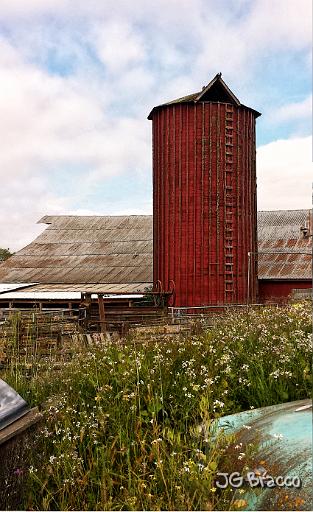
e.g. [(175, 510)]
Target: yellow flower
[(240, 503)]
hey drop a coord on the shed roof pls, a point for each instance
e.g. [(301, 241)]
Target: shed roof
[(113, 254)]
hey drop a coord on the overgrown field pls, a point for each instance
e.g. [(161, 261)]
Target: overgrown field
[(124, 424)]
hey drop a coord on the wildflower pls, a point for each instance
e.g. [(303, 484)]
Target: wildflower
[(218, 403), (240, 503), (52, 459), (213, 489)]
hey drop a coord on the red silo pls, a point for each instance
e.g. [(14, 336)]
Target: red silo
[(204, 198)]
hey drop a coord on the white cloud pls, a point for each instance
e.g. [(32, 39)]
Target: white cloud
[(118, 46), (284, 173), (79, 77), (52, 123), (21, 9), (282, 23), (292, 111), (22, 203)]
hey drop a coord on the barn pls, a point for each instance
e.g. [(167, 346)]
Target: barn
[(205, 244), (113, 257), (285, 253)]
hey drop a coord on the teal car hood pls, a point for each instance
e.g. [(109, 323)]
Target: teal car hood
[(283, 434)]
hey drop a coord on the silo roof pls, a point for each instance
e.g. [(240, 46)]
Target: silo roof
[(216, 91)]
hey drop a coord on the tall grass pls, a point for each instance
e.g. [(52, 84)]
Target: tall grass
[(127, 427)]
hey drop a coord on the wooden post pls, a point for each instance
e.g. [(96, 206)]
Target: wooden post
[(101, 313)]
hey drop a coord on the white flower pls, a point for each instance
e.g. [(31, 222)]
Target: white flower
[(218, 403)]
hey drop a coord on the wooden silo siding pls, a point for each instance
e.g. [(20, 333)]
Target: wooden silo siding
[(204, 201)]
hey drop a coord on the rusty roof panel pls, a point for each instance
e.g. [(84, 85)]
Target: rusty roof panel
[(94, 235), (285, 248), (84, 262), (88, 248), (81, 274)]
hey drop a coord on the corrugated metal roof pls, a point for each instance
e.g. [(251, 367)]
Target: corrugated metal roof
[(282, 224), (114, 254), (284, 251), (108, 250)]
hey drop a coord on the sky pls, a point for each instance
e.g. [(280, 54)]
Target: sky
[(78, 79)]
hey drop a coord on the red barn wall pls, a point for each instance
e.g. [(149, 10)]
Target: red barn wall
[(204, 202), (279, 290)]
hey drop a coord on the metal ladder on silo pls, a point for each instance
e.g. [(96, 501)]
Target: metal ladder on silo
[(229, 290)]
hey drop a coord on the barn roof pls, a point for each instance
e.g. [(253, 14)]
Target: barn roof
[(285, 244), (114, 253)]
